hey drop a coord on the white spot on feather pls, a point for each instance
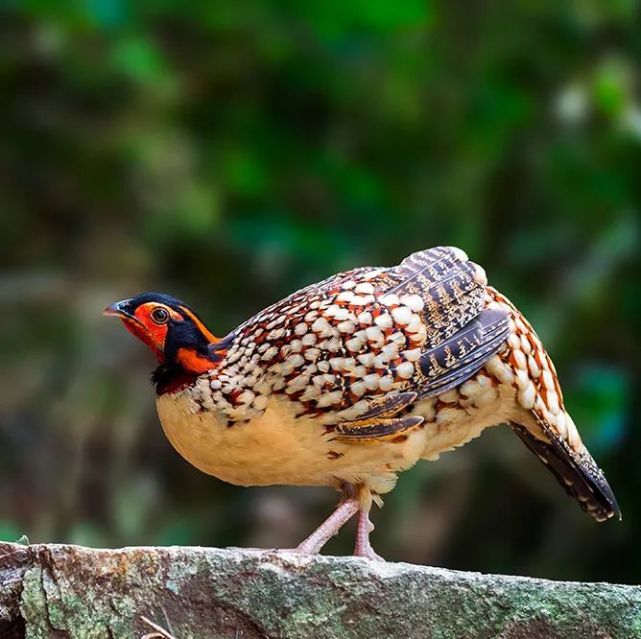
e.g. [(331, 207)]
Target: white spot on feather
[(345, 296), (573, 434), (371, 381), (384, 320), (367, 359), (389, 300), (309, 339), (414, 302), (527, 396), (300, 329), (553, 402), (402, 315), (358, 388), (354, 344), (519, 358), (525, 345), (329, 399), (405, 370), (412, 355), (346, 327), (365, 288), (374, 335)]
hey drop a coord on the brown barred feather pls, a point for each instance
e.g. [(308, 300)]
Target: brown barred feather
[(378, 430)]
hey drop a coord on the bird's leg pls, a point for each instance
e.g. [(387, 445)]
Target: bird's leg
[(343, 513), (363, 546)]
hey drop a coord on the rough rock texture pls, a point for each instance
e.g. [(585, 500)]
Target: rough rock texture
[(68, 592)]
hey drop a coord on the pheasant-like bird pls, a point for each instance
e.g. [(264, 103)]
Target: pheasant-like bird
[(349, 381)]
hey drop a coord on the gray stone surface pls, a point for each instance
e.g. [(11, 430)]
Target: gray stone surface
[(68, 592)]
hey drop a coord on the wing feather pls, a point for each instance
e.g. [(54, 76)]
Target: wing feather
[(461, 356), (341, 348), (452, 287)]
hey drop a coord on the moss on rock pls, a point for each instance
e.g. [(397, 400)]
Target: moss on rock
[(68, 592)]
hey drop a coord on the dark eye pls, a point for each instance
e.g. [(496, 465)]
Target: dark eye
[(160, 315)]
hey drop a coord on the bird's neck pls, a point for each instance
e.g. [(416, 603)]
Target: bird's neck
[(184, 364), (168, 378)]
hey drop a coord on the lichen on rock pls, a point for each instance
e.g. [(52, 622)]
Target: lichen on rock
[(69, 592)]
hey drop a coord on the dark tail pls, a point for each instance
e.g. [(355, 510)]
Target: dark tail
[(576, 472)]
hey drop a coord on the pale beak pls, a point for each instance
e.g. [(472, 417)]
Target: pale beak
[(121, 310)]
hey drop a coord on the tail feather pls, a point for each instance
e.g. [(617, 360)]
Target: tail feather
[(547, 430), (578, 473)]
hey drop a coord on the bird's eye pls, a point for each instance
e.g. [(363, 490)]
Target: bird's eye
[(160, 315)]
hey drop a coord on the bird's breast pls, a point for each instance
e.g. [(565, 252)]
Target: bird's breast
[(276, 447)]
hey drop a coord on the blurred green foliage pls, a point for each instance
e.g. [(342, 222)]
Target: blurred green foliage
[(231, 152)]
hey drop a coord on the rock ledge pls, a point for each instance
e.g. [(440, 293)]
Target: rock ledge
[(69, 592)]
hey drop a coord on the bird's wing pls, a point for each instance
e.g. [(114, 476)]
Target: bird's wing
[(460, 356), (378, 336), (381, 420), (451, 286), (460, 334)]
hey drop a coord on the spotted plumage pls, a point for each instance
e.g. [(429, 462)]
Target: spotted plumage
[(349, 381)]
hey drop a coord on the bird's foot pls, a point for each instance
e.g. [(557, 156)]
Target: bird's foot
[(368, 553), (330, 527), (363, 546), (297, 550), (315, 542)]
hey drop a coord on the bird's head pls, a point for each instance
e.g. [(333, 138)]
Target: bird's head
[(175, 334)]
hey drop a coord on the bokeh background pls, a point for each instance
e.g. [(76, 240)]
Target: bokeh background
[(231, 152)]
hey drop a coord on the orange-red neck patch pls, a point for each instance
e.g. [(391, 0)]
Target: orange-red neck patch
[(193, 361)]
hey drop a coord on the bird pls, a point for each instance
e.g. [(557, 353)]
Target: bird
[(350, 381)]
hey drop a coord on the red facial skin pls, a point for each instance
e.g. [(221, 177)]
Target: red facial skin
[(153, 333), (150, 324), (147, 330)]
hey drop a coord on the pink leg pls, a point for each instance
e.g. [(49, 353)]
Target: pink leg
[(363, 547), (343, 513)]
